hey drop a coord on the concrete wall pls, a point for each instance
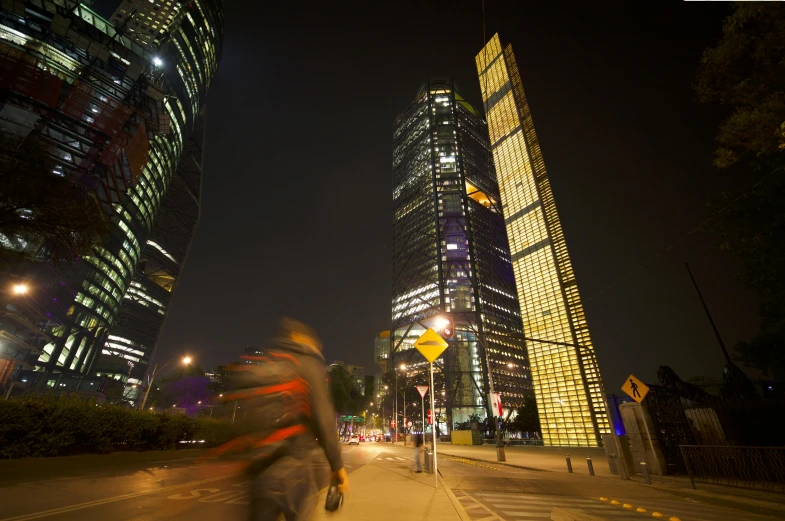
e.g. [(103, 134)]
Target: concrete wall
[(638, 425)]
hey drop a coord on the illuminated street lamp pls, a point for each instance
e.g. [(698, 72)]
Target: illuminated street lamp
[(186, 360), (20, 289)]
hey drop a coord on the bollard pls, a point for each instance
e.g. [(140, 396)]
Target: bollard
[(645, 472), (569, 463), (590, 465)]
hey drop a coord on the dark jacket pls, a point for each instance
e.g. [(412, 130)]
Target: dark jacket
[(312, 369)]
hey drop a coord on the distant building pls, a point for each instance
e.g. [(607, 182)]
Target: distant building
[(214, 377), (381, 350), (335, 363), (357, 373)]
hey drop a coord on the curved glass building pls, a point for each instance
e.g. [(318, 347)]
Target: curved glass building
[(116, 113)]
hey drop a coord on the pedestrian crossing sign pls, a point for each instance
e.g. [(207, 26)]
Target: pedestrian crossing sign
[(636, 389)]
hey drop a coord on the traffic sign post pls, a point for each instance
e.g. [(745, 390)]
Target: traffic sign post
[(638, 390), (431, 346), (422, 389)]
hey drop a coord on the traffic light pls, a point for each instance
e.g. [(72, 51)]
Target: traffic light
[(447, 330), (430, 417)]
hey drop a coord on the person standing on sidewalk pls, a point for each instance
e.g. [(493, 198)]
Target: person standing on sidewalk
[(418, 448)]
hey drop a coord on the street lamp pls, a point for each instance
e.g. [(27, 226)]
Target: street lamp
[(20, 289), (186, 360), (402, 368)]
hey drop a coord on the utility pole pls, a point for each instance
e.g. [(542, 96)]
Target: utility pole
[(708, 314)]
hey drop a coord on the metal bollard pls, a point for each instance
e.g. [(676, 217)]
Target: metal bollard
[(590, 465), (569, 463), (645, 472)]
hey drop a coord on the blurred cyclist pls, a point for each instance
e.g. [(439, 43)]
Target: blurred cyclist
[(288, 405)]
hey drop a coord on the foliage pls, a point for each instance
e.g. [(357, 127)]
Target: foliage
[(47, 426), (43, 208), (340, 383), (467, 425), (746, 71), (527, 419)]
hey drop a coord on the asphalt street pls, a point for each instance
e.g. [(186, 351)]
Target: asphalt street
[(491, 492), (176, 486)]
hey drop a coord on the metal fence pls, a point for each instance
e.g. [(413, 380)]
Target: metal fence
[(761, 468)]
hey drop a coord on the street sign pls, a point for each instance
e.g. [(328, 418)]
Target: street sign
[(409, 424), (430, 417), (422, 389), (430, 345), (496, 404), (392, 424), (636, 389)]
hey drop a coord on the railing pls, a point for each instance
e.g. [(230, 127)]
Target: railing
[(761, 468)]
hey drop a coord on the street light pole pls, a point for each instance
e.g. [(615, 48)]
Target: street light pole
[(186, 361)]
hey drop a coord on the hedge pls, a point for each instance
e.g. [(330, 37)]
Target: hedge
[(51, 426)]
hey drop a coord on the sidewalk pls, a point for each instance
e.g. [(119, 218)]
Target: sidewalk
[(383, 492), (535, 457)]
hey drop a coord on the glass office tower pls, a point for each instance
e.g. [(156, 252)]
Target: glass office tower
[(450, 254), (116, 115), (564, 369)]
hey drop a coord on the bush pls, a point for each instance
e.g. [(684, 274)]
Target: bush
[(50, 426)]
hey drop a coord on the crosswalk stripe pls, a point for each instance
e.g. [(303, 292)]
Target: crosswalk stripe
[(550, 505), (544, 515), (535, 499)]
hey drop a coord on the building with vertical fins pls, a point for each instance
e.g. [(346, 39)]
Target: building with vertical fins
[(564, 369), (450, 254), (121, 118)]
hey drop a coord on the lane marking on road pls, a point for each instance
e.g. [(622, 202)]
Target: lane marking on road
[(63, 479), (471, 462), (98, 502)]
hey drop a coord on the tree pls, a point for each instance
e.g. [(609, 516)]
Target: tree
[(340, 382), (746, 71), (528, 418), (41, 206)]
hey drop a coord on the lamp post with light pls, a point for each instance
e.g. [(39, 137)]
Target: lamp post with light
[(185, 360)]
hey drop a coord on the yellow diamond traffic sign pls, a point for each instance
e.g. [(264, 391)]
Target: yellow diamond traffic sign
[(636, 389), (430, 345)]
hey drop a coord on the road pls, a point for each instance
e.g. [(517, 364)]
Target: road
[(175, 486), (496, 492)]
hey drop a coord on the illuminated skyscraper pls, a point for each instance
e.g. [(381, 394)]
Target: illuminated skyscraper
[(145, 21), (118, 116), (450, 254), (566, 378)]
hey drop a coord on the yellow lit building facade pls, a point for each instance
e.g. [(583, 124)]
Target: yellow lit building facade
[(566, 378)]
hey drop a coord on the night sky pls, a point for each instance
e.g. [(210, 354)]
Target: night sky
[(296, 215)]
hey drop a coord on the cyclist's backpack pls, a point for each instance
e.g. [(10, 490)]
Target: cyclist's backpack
[(272, 404)]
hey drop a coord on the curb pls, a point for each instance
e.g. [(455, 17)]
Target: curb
[(455, 503), (495, 462)]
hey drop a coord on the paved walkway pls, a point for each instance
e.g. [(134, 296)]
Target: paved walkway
[(386, 490), (536, 457)]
